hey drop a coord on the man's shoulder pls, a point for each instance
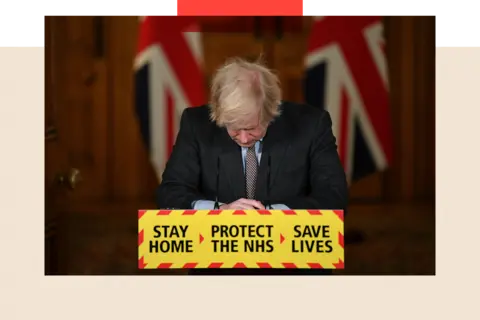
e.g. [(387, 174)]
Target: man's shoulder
[(198, 113), (198, 117), (296, 111)]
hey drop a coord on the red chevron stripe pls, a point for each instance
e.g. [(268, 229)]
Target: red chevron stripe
[(164, 265), (340, 239), (141, 263), (264, 265), (215, 265), (141, 213), (339, 264), (264, 212), (164, 212), (239, 265), (289, 212), (189, 265), (214, 212), (189, 212), (339, 213), (289, 265), (315, 212), (315, 265), (140, 237)]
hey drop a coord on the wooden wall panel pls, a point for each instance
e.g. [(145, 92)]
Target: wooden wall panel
[(78, 100), (410, 52), (131, 176), (400, 54), (76, 126), (425, 108), (288, 62), (218, 47)]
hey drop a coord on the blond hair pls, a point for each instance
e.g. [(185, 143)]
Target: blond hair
[(240, 89)]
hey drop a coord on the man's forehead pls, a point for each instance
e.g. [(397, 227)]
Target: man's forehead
[(245, 124)]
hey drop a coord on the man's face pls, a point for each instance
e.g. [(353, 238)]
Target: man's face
[(247, 131)]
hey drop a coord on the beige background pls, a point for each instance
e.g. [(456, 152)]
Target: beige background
[(27, 294)]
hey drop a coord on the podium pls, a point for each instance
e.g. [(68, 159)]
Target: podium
[(241, 242)]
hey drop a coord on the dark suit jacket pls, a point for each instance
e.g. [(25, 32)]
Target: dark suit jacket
[(299, 152)]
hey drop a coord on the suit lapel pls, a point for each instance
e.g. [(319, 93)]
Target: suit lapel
[(275, 146), (231, 165)]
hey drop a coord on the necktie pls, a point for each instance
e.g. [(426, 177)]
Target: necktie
[(251, 168)]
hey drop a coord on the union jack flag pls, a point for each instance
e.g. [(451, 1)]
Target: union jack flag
[(168, 79), (346, 73)]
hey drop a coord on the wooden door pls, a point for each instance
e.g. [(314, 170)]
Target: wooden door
[(54, 163), (219, 46), (97, 172), (254, 37), (288, 60), (75, 122)]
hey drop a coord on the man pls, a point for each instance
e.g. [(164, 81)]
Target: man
[(248, 149)]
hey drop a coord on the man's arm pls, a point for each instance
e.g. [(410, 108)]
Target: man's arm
[(179, 186), (328, 182)]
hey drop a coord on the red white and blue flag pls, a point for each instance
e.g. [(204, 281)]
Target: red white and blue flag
[(168, 79), (346, 73)]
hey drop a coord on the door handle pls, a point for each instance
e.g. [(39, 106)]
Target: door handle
[(70, 179)]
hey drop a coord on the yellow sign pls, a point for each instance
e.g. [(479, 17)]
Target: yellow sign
[(240, 239)]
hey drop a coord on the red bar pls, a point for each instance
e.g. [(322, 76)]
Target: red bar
[(239, 8), (392, 4)]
